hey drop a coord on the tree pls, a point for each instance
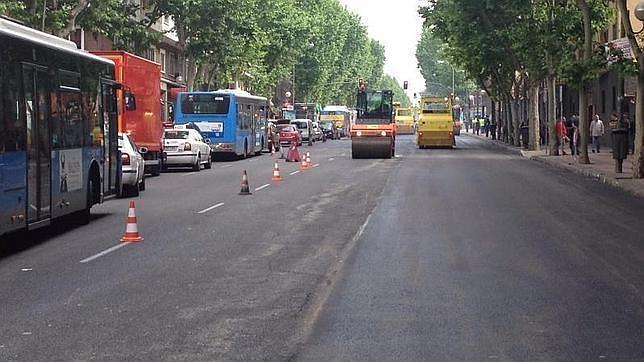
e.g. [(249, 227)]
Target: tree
[(638, 160)]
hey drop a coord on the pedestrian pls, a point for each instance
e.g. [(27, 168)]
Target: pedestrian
[(560, 129), (574, 141), (477, 125), (571, 125), (596, 132), (493, 128), (487, 127)]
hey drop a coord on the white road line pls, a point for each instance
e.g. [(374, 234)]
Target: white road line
[(294, 172), (342, 155), (316, 165), (331, 159), (105, 252), (226, 166), (211, 208), (189, 173), (262, 187)]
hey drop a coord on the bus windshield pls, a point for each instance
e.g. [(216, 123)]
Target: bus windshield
[(205, 103), (404, 112)]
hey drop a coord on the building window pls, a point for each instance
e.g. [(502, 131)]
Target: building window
[(162, 60)]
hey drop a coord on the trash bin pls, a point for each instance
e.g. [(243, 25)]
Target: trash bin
[(525, 136)]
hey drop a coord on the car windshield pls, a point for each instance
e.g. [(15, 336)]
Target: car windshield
[(326, 125), (176, 135), (286, 128)]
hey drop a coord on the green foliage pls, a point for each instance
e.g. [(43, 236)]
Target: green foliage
[(260, 43)]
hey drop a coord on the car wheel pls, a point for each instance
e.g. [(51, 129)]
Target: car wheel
[(208, 164), (142, 184), (197, 165)]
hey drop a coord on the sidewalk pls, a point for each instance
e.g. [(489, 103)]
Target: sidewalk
[(601, 168)]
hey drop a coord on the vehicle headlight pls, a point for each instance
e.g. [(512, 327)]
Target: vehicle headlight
[(358, 133), (383, 133)]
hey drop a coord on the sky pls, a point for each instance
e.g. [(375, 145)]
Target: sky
[(397, 25)]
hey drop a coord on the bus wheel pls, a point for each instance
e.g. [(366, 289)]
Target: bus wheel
[(83, 216)]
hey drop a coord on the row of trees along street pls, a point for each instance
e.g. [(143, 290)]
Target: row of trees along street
[(257, 42), (512, 49)]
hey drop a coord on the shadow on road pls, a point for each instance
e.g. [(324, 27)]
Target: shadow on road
[(18, 242)]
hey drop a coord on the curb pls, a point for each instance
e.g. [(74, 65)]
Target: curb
[(587, 172), (590, 173)]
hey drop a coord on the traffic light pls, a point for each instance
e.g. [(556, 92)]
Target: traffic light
[(405, 85)]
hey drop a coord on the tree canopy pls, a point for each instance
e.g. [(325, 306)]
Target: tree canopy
[(260, 43)]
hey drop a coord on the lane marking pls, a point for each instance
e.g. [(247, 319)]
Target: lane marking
[(342, 155), (316, 165), (226, 166), (294, 172), (26, 269), (331, 159), (262, 187), (105, 252), (189, 173), (211, 208)]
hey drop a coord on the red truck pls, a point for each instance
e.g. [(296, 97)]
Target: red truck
[(139, 104)]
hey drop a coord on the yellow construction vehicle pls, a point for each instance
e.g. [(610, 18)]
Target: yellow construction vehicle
[(374, 133), (435, 127)]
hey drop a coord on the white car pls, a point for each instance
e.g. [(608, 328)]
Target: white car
[(186, 147), (304, 126), (132, 167), (318, 135)]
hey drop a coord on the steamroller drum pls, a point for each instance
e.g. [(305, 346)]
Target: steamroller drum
[(371, 148)]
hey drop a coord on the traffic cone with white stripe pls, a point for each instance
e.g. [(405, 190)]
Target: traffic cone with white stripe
[(304, 165), (245, 188), (308, 158), (276, 172), (131, 230)]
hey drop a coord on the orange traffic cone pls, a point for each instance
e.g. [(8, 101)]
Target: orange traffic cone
[(131, 230), (276, 172), (304, 165), (245, 189), (308, 158)]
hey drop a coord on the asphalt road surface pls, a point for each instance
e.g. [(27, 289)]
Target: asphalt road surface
[(464, 254)]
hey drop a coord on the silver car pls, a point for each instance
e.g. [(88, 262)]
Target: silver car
[(132, 167), (186, 147)]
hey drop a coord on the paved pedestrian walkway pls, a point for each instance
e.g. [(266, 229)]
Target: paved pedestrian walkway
[(601, 167)]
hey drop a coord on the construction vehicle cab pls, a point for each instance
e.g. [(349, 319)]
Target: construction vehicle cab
[(436, 127), (374, 132)]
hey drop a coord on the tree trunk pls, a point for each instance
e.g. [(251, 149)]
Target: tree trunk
[(73, 14), (638, 157), (534, 118), (516, 141), (583, 125), (552, 115), (583, 89)]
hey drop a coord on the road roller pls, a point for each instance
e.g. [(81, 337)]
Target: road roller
[(374, 133)]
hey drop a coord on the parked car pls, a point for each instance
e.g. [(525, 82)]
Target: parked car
[(186, 147), (288, 133), (304, 126), (132, 167), (318, 135)]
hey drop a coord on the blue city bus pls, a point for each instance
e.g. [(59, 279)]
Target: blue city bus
[(58, 129), (233, 122)]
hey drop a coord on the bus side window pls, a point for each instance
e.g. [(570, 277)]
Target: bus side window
[(12, 136)]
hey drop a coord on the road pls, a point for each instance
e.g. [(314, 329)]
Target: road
[(462, 254)]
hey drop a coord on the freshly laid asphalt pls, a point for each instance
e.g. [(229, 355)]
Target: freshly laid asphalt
[(464, 254)]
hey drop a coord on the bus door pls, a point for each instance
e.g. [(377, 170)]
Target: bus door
[(111, 167), (36, 103)]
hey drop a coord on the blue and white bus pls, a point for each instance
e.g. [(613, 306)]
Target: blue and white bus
[(233, 122), (58, 129)]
